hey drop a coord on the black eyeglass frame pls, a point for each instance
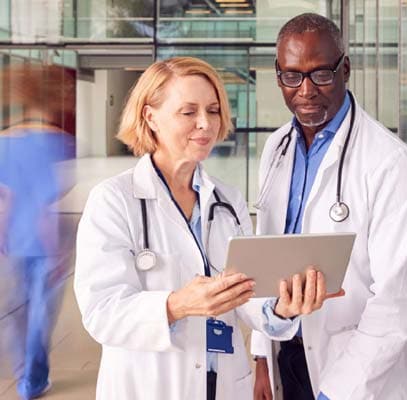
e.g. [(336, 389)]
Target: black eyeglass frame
[(304, 75)]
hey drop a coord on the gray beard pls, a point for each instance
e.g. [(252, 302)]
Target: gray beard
[(312, 123)]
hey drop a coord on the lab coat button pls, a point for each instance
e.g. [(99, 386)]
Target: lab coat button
[(197, 366), (309, 348)]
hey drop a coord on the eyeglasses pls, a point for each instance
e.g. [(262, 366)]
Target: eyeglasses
[(319, 77)]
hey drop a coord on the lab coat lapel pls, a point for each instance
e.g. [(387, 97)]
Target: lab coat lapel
[(282, 186), (332, 157), (205, 195), (144, 179), (273, 213)]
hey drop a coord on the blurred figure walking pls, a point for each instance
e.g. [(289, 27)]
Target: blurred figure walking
[(33, 146)]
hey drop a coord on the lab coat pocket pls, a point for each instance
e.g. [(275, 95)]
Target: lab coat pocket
[(165, 275), (337, 343), (244, 387)]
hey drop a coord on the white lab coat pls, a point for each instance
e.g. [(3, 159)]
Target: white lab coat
[(355, 346), (124, 308)]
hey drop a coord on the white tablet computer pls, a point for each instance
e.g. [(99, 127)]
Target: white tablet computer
[(268, 259)]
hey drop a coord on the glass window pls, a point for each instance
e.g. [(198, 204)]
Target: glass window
[(388, 64), (370, 66), (5, 20), (107, 20)]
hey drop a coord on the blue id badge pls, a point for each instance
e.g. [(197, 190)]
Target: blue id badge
[(218, 337)]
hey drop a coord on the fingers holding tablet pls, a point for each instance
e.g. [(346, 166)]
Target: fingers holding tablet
[(303, 294)]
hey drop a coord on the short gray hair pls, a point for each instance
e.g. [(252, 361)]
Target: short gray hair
[(310, 22)]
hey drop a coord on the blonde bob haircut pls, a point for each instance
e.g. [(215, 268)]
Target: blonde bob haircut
[(150, 90)]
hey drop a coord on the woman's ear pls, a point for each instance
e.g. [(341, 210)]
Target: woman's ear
[(149, 116)]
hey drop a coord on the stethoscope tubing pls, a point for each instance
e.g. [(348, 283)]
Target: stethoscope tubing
[(277, 159), (275, 162), (143, 206), (146, 255), (219, 203), (345, 149)]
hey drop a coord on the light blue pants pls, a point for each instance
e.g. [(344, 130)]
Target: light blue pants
[(39, 297)]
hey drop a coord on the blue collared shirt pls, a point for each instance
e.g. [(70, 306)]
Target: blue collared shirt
[(306, 164), (321, 396)]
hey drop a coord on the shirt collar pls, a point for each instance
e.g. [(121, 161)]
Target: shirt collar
[(197, 180)]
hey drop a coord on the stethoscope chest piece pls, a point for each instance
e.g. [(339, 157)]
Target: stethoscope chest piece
[(146, 260), (339, 212)]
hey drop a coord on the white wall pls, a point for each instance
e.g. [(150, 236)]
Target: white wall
[(118, 85), (91, 116), (99, 107), (84, 103), (98, 116)]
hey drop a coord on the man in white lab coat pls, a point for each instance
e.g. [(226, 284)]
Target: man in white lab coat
[(354, 347)]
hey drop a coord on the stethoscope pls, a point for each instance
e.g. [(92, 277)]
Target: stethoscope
[(339, 211), (146, 259)]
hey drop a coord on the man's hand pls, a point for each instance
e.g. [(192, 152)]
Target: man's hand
[(262, 387), (303, 299)]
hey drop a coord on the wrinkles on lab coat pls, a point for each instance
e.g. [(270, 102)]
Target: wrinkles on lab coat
[(355, 345), (124, 308)]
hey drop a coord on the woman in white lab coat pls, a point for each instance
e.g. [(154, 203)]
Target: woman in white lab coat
[(148, 272)]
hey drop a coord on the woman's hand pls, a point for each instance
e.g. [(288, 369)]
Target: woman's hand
[(209, 296), (303, 299)]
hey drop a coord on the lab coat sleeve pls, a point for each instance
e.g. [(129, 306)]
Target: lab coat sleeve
[(255, 315), (260, 344), (381, 335), (115, 309)]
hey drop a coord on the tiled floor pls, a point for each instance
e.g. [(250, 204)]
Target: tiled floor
[(74, 355), (74, 358)]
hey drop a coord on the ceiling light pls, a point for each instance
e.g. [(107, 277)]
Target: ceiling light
[(197, 11), (238, 11), (230, 5), (142, 69)]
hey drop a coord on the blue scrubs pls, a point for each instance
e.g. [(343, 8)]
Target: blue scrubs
[(27, 169)]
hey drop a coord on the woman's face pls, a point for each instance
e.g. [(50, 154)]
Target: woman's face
[(188, 121)]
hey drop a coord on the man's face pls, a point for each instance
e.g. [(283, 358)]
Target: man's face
[(314, 106)]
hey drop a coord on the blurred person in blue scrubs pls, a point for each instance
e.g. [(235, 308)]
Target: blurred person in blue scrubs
[(34, 145)]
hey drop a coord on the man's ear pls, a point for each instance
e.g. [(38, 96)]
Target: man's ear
[(148, 114), (346, 69), (276, 67)]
